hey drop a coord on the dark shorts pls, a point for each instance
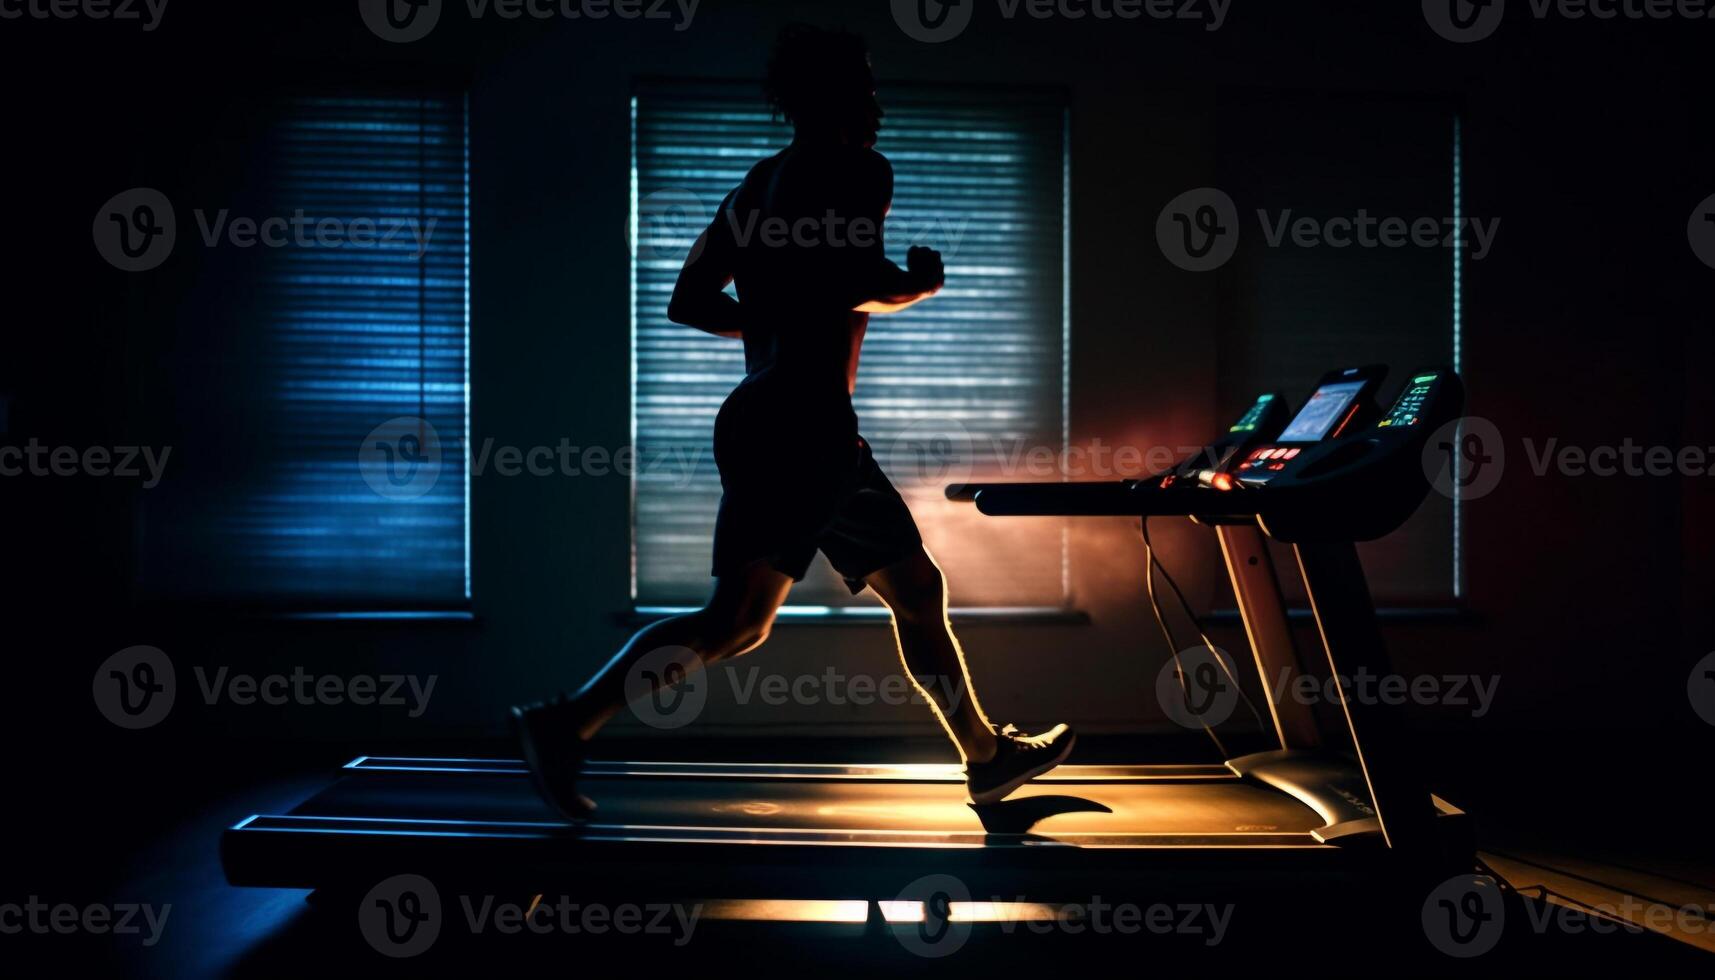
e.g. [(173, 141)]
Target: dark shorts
[(796, 478)]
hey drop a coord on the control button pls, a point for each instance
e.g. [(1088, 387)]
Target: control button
[(1277, 466), (1244, 466), (1293, 453)]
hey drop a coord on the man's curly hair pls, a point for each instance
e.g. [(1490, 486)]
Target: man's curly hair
[(815, 72)]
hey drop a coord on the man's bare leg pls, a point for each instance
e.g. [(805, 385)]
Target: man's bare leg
[(735, 621), (916, 593), (553, 734)]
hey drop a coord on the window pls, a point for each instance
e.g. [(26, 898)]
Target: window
[(347, 486), (1290, 313), (962, 384)]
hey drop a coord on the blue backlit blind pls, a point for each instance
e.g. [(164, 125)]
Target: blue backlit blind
[(354, 492), (963, 384)]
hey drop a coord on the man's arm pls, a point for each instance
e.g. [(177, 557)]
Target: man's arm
[(882, 286), (699, 297), (900, 289)]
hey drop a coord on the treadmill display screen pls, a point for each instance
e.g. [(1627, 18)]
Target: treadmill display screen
[(1253, 418), (1322, 412)]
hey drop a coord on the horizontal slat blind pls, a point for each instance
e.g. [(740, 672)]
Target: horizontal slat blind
[(959, 384), (1292, 313), (353, 336)]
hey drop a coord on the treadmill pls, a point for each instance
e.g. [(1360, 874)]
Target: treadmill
[(1344, 802)]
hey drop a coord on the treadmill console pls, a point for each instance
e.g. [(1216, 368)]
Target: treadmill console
[(1343, 401), (1260, 423), (1367, 478)]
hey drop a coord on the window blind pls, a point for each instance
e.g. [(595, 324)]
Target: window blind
[(961, 386), (1291, 313), (355, 372)]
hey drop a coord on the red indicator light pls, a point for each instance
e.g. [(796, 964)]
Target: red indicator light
[(1222, 481), (1293, 453), (1277, 466)]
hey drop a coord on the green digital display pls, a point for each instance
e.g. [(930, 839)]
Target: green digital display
[(1407, 410), (1253, 418)]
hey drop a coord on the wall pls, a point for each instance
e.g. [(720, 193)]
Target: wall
[(1573, 324)]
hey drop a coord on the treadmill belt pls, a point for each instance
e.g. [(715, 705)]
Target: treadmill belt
[(892, 802)]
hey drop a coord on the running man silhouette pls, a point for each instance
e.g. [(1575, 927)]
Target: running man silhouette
[(796, 476)]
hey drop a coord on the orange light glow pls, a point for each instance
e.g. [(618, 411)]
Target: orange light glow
[(783, 910), (1222, 481)]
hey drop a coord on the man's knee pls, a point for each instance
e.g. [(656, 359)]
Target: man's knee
[(731, 632), (920, 595)]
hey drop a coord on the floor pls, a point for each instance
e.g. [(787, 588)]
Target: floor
[(1577, 898)]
